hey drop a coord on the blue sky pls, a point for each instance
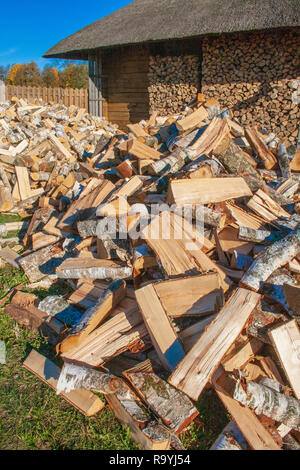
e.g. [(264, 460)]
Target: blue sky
[(28, 28)]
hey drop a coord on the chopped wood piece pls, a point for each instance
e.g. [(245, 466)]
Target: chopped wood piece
[(142, 151), (189, 336), (260, 148), (258, 236), (256, 434), (23, 299), (192, 120), (41, 263), (23, 182), (230, 241), (192, 296), (80, 268), (144, 430), (86, 205), (73, 377), (236, 162), (86, 295), (161, 331), (284, 161), (41, 240), (286, 341), (173, 407), (180, 256), (270, 259), (31, 317), (11, 257), (85, 401), (238, 357), (124, 330), (198, 366), (230, 439), (94, 316), (266, 207), (264, 400), (206, 190)]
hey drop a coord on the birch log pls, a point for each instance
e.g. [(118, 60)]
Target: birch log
[(284, 161), (231, 438), (235, 161), (258, 236), (272, 258), (265, 401), (74, 377), (94, 315)]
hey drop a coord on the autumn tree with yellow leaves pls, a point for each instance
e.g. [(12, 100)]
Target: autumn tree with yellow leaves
[(11, 76), (70, 75)]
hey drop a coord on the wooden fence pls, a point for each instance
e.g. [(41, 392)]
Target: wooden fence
[(67, 96)]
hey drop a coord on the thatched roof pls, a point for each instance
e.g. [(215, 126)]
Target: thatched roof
[(152, 20)]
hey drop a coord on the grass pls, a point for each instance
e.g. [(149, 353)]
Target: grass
[(33, 417)]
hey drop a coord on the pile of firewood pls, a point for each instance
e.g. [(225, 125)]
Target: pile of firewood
[(260, 86), (39, 149), (164, 302), (174, 81)]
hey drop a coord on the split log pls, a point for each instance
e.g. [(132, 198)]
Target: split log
[(173, 407), (259, 236), (161, 331), (260, 148), (87, 294), (286, 341), (23, 299), (142, 151), (206, 190), (94, 316), (256, 434), (236, 162), (109, 248), (174, 162), (231, 438), (85, 206), (144, 430), (263, 205), (34, 319), (73, 377), (292, 295), (192, 120), (238, 356), (284, 161), (202, 295), (211, 137), (189, 336), (10, 257), (41, 240), (196, 369), (123, 331), (272, 258), (6, 201), (41, 263), (87, 268), (85, 401), (182, 256), (57, 306), (265, 401)]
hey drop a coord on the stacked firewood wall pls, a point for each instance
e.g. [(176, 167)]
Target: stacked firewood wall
[(257, 75), (173, 82)]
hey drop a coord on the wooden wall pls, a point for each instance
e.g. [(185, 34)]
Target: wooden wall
[(125, 85)]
